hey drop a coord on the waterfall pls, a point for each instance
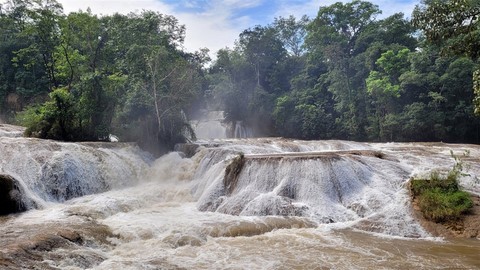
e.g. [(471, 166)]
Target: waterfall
[(330, 182), (52, 171), (242, 131), (212, 125), (258, 203), (10, 130)]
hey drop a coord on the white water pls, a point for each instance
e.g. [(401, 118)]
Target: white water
[(213, 126), (10, 131), (346, 211), (54, 171), (210, 126)]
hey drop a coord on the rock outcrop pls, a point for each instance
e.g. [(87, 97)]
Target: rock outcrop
[(12, 196)]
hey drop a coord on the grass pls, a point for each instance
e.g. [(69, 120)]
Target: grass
[(440, 198)]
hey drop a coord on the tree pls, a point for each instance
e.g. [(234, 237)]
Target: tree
[(332, 38), (292, 33), (43, 30), (264, 51), (55, 119), (342, 75), (160, 79), (304, 114), (384, 87), (454, 26), (28, 30), (172, 85)]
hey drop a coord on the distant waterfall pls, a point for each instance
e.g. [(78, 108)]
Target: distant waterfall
[(213, 126), (242, 131), (210, 126)]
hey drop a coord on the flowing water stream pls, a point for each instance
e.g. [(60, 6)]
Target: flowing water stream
[(236, 204)]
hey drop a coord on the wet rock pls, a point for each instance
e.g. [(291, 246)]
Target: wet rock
[(232, 173), (59, 171), (11, 196), (188, 149), (273, 205), (45, 245), (358, 208)]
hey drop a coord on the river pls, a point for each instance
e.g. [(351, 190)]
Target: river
[(289, 205)]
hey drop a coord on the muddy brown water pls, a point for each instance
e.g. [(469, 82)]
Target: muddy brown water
[(354, 210)]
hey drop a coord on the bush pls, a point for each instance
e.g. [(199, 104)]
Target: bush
[(447, 184), (440, 198), (440, 206), (52, 120)]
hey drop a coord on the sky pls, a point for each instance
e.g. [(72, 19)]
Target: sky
[(216, 24)]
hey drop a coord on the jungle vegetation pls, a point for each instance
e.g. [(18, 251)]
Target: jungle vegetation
[(345, 74)]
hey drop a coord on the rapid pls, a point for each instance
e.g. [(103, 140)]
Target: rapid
[(257, 203)]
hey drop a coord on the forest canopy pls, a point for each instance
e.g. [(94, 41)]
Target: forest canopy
[(344, 74)]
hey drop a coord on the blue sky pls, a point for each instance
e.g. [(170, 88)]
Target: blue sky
[(215, 24)]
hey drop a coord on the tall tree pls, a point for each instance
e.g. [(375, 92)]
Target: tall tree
[(453, 25), (333, 35), (43, 30), (29, 32), (292, 33)]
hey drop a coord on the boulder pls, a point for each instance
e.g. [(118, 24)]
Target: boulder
[(189, 149), (11, 196)]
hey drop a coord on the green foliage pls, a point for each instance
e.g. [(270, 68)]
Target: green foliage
[(453, 26), (476, 90), (95, 70), (53, 120), (381, 85), (343, 74), (439, 197), (354, 78), (394, 63), (30, 117), (291, 33), (439, 205), (300, 115)]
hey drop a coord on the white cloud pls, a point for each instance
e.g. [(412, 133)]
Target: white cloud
[(309, 8), (213, 28), (239, 3), (391, 7), (106, 7)]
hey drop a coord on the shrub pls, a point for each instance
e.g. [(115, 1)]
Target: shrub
[(439, 205), (440, 198), (52, 120)]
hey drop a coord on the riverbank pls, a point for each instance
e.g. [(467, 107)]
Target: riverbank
[(466, 227)]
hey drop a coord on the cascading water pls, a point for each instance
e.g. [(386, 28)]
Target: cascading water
[(212, 125), (10, 131), (236, 204), (242, 131), (357, 186), (52, 171)]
